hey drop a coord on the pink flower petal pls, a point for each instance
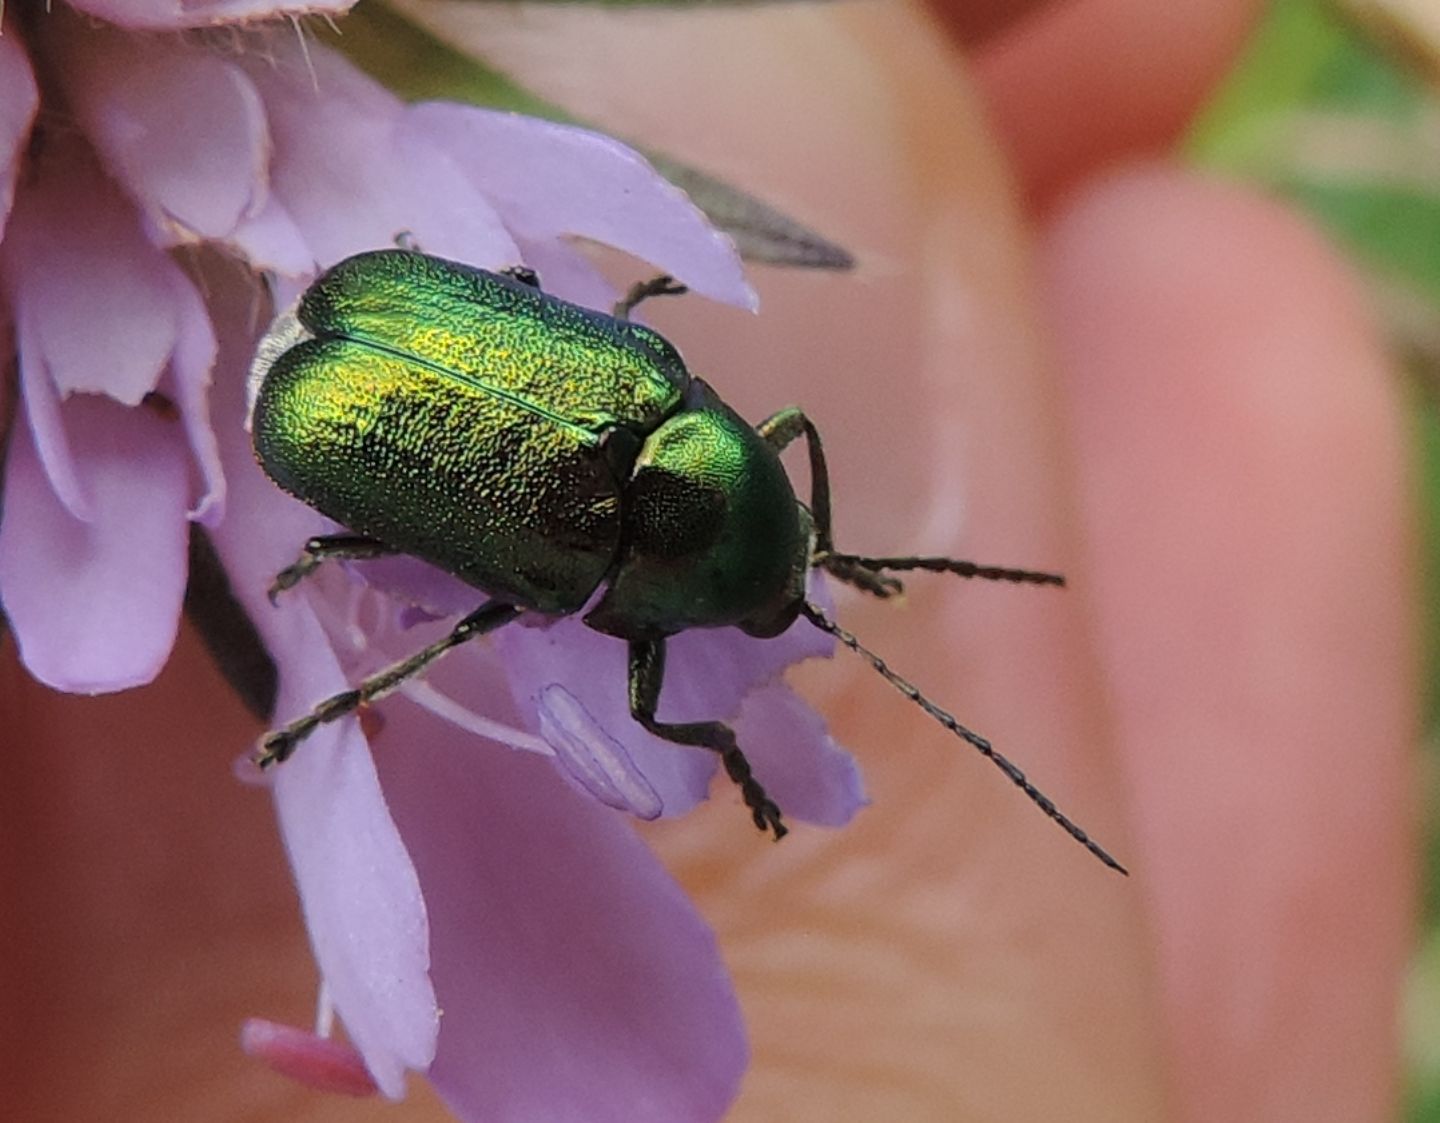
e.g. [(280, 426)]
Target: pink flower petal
[(95, 606), (577, 980), (550, 180), (164, 15), (182, 129), (317, 1062), (350, 174), (358, 888), (18, 102), (97, 298)]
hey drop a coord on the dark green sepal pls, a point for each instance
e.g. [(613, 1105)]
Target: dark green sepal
[(226, 629)]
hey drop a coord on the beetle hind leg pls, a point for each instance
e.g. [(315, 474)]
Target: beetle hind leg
[(647, 673), (352, 546), (279, 744)]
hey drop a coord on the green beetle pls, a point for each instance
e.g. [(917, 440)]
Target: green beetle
[(541, 451)]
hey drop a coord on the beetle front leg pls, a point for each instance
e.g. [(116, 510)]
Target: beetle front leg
[(663, 285), (647, 675), (277, 746), (355, 547)]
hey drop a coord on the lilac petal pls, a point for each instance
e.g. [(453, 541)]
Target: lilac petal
[(593, 758), (95, 606), (163, 15), (358, 888), (42, 411), (549, 180), (420, 585), (567, 274), (271, 242), (710, 671), (577, 980), (18, 102), (97, 298), (189, 375), (351, 177), (805, 772), (361, 900), (181, 129), (594, 668)]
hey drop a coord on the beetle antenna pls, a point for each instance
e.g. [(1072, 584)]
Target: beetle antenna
[(817, 617), (942, 565)]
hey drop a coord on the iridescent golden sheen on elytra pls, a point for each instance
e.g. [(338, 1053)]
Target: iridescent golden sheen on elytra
[(531, 447), (540, 450)]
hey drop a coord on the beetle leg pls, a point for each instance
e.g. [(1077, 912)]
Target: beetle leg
[(779, 430), (647, 674), (279, 744), (522, 273), (316, 550), (663, 285)]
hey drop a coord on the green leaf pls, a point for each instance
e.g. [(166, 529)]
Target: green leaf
[(419, 66)]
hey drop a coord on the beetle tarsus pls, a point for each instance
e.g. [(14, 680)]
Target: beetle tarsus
[(524, 274), (647, 675), (663, 285)]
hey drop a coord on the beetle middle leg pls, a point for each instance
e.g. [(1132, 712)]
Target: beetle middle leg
[(647, 674), (279, 744), (351, 546), (663, 285)]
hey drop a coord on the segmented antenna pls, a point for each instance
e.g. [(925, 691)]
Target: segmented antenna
[(1039, 798), (945, 565)]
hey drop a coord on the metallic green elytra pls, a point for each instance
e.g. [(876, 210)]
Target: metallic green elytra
[(542, 452)]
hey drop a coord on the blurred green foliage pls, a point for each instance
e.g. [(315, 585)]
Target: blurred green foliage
[(1326, 117)]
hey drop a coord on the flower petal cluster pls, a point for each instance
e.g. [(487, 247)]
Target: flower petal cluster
[(145, 181)]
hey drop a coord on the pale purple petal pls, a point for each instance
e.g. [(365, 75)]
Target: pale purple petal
[(182, 129), (805, 772), (578, 983), (566, 273), (189, 381), (549, 180), (96, 296), (47, 428), (593, 758), (351, 177), (95, 606), (420, 584), (18, 102), (709, 671), (161, 15), (359, 891), (271, 241), (594, 668)]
